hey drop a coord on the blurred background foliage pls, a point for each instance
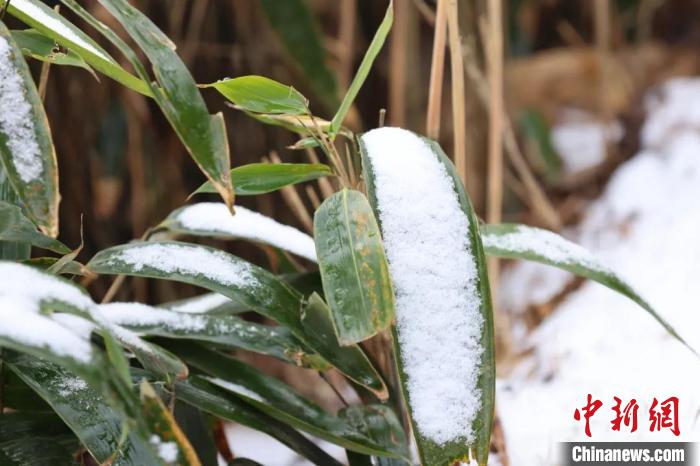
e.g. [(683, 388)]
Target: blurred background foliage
[(123, 168)]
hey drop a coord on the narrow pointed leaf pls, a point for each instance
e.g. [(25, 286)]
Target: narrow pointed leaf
[(365, 66), (261, 178), (14, 226), (223, 330), (37, 439), (262, 95), (168, 441), (245, 283), (353, 267), (444, 331), (83, 409), (203, 135), (27, 153), (213, 219), (513, 241), (371, 429), (45, 20), (214, 400)]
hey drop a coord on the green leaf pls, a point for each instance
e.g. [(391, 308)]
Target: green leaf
[(36, 439), (168, 440), (371, 429), (203, 135), (535, 128), (83, 409), (14, 226), (258, 94), (513, 241), (26, 149), (299, 33), (206, 396), (431, 452), (262, 178), (223, 330), (49, 23), (350, 360), (353, 267), (367, 61), (70, 268), (247, 284), (40, 47)]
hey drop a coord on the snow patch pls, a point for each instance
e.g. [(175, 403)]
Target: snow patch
[(247, 224), (201, 304), (426, 236), (191, 261), (17, 119), (236, 388), (167, 451), (137, 314)]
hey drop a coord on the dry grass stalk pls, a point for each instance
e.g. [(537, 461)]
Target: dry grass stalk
[(398, 59), (293, 200), (346, 39), (437, 69), (323, 183), (459, 118)]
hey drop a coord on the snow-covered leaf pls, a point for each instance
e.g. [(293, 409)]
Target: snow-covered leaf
[(168, 441), (203, 135), (206, 396), (353, 267), (512, 241), (372, 429), (14, 226), (262, 178), (207, 303), (223, 330), (444, 328), (83, 409), (259, 94), (41, 17), (27, 154), (365, 66), (213, 219), (245, 283)]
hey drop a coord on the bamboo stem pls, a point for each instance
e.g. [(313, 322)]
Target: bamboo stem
[(437, 70), (459, 112)]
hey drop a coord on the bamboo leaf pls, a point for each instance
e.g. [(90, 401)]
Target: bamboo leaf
[(83, 409), (212, 219), (36, 439), (14, 226), (170, 443), (40, 47), (409, 181), (372, 429), (258, 94), (365, 66), (513, 241), (41, 17), (353, 267), (26, 149), (299, 33), (247, 284), (214, 400), (222, 330), (203, 135), (262, 178)]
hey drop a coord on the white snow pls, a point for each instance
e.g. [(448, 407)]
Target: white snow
[(580, 140), (137, 314), (553, 247), (36, 13), (201, 304), (70, 385), (247, 224), (22, 323), (166, 450), (189, 261), (18, 279), (646, 227), (16, 118), (426, 236), (235, 388)]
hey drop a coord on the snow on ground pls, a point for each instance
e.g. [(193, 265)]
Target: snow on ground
[(646, 226)]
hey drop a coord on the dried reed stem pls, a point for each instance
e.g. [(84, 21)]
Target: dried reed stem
[(437, 69), (398, 59), (459, 112), (293, 200)]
